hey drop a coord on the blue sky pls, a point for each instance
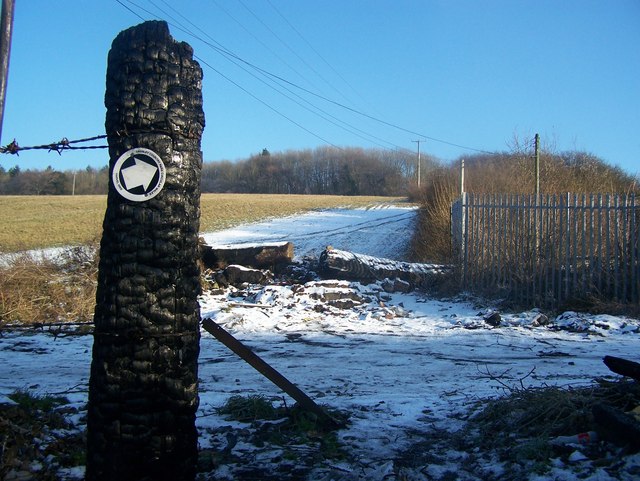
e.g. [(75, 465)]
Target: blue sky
[(480, 74)]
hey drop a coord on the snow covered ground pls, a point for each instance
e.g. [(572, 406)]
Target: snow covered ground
[(383, 231), (398, 364)]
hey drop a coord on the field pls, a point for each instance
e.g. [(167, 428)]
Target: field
[(33, 222)]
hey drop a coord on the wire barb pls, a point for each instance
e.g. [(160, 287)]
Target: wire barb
[(60, 146), (12, 148)]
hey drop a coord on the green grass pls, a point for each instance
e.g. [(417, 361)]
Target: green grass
[(249, 408), (35, 402), (34, 222), (40, 417), (297, 426)]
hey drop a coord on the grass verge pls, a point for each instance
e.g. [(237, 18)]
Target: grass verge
[(296, 435), (36, 438), (517, 431)]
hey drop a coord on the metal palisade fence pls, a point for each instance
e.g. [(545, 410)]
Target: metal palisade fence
[(546, 250)]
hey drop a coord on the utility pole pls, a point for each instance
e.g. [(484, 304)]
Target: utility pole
[(418, 142), (6, 26), (537, 154)]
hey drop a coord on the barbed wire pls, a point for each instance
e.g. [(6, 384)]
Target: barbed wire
[(64, 144)]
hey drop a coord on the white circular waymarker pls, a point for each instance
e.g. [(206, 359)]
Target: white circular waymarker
[(139, 174)]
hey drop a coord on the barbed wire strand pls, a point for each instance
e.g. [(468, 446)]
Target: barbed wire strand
[(66, 144), (59, 146)]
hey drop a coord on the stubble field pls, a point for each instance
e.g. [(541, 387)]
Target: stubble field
[(34, 222)]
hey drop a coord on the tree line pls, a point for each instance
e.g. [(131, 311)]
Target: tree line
[(325, 170), (321, 171), (357, 171), (15, 181)]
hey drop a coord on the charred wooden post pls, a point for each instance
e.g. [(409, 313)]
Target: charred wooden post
[(143, 388)]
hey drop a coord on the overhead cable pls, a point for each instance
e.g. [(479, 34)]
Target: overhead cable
[(214, 44)]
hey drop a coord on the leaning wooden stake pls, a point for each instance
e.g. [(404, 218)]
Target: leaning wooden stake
[(269, 372)]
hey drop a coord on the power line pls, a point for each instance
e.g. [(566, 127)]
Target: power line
[(219, 48), (320, 56), (316, 110), (307, 64), (225, 52), (257, 39), (135, 13), (229, 54), (265, 103)]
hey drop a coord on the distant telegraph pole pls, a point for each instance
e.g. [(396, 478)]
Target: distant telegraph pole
[(537, 155), (418, 142), (6, 26)]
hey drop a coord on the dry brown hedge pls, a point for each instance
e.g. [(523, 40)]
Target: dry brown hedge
[(511, 173), (36, 290)]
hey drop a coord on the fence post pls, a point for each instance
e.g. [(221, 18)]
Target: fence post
[(143, 387), (634, 240), (6, 28), (464, 238), (537, 166)]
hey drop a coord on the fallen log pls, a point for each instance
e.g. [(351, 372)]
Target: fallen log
[(264, 256), (341, 264), (623, 367)]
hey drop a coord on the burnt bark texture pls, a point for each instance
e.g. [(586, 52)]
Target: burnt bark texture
[(143, 391)]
